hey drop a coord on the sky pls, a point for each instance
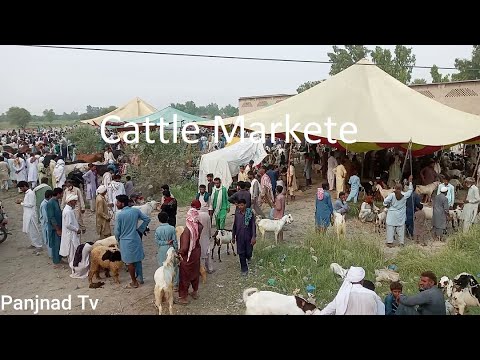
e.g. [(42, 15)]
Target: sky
[(69, 80)]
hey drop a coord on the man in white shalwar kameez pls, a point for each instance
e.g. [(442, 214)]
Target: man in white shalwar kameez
[(30, 224), (59, 174), (115, 189), (19, 168), (32, 166), (353, 298), (107, 178), (332, 164), (470, 208), (70, 231), (71, 189)]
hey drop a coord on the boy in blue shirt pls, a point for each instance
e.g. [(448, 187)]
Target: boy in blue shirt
[(391, 301)]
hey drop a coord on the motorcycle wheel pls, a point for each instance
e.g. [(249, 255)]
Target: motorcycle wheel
[(3, 234)]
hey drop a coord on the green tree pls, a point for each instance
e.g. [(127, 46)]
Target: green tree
[(399, 66), (419, 81), (436, 76), (86, 139), (344, 58), (468, 69), (307, 85), (49, 115), (106, 110), (229, 111), (19, 117)]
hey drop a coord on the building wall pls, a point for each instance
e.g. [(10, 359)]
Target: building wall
[(461, 95), (249, 104)]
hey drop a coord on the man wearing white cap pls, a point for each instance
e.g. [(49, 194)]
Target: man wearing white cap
[(470, 208), (440, 213), (353, 298), (70, 230)]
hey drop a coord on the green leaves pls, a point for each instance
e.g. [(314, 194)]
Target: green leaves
[(18, 116)]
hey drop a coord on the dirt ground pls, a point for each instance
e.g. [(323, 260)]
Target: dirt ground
[(24, 275)]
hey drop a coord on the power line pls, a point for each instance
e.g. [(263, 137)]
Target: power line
[(220, 56)]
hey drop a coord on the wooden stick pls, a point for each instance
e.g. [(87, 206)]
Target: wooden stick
[(476, 166)]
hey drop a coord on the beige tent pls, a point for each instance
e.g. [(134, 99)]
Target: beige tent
[(385, 111), (133, 109)]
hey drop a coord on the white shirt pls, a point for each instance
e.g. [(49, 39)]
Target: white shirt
[(206, 205), (332, 163), (362, 301), (108, 156)]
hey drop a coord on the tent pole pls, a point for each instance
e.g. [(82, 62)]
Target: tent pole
[(476, 167), (363, 165), (288, 169)]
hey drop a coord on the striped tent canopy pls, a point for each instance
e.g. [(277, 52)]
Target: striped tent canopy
[(167, 114), (386, 113)]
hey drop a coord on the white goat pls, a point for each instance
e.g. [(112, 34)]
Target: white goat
[(457, 184), (275, 226), (427, 190), (383, 192), (380, 220), (164, 282), (454, 172), (428, 211), (386, 275), (110, 241), (272, 303), (339, 224), (337, 269), (148, 207)]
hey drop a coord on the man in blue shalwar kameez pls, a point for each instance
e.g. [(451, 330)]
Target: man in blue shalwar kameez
[(244, 233), (166, 237), (128, 237)]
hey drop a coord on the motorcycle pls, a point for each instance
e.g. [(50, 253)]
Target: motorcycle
[(3, 224)]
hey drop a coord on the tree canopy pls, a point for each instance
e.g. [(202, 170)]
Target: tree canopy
[(18, 116)]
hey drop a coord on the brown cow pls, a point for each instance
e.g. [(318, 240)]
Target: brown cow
[(90, 158)]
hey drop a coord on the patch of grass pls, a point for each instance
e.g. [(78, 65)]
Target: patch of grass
[(5, 125), (184, 193), (293, 266)]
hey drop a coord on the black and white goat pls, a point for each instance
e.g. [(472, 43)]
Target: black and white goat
[(463, 291), (272, 303), (221, 237)]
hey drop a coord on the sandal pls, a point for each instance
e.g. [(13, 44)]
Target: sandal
[(131, 286), (181, 301), (194, 295)]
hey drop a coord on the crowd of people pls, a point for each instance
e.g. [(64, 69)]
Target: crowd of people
[(53, 214), (403, 206)]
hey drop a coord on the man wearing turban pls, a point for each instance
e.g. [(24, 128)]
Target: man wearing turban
[(70, 230), (353, 298)]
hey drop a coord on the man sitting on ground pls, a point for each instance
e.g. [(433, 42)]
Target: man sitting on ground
[(429, 301)]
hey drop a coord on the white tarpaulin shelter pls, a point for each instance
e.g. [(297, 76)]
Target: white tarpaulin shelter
[(385, 111), (225, 163), (133, 109)]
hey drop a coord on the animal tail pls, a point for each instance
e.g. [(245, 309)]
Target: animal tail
[(248, 292)]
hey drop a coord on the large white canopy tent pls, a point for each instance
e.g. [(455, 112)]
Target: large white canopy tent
[(225, 163), (385, 111), (133, 109)]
